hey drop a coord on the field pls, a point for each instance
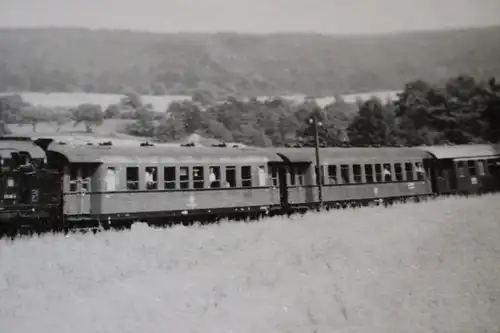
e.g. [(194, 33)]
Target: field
[(110, 129), (62, 99), (108, 126), (431, 267)]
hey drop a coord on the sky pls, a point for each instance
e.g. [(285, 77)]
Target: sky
[(253, 16)]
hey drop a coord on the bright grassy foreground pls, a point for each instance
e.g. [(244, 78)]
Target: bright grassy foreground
[(432, 267)]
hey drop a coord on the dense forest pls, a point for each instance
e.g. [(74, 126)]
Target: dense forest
[(462, 110), (225, 64)]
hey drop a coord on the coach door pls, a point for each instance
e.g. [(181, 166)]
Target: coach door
[(282, 184), (493, 166), (445, 176), (78, 197), (462, 177), (299, 183), (448, 180), (277, 193)]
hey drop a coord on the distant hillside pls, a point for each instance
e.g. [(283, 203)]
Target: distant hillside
[(67, 60)]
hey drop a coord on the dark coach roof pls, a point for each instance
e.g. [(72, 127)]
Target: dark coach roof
[(160, 154), (463, 151), (353, 154), (10, 144)]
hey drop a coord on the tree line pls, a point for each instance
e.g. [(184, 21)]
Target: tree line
[(461, 110)]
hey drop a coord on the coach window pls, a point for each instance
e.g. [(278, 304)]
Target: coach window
[(344, 174), (369, 173), (332, 174), (356, 170), (262, 176), (409, 172), (132, 178), (73, 178), (274, 175), (111, 179), (198, 179), (480, 167), (184, 177), (491, 166), (471, 166), (378, 173), (11, 182), (86, 173), (387, 172), (151, 178), (169, 178), (301, 177), (398, 171), (461, 169), (214, 177), (420, 171), (246, 176), (230, 176), (291, 173)]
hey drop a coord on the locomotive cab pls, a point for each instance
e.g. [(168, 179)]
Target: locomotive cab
[(29, 192)]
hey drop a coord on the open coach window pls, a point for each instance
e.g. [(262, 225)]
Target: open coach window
[(169, 178), (291, 171), (461, 169), (344, 173), (230, 176), (132, 178), (332, 174), (471, 166), (481, 168), (409, 172), (151, 178), (398, 171), (274, 175), (378, 173), (214, 177), (184, 177), (86, 174), (387, 172), (420, 171), (369, 173), (246, 176), (262, 176), (356, 170), (198, 179), (73, 178)]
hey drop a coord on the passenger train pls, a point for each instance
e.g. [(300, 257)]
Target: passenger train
[(46, 184)]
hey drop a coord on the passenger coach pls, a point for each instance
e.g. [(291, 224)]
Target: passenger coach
[(465, 169), (354, 175), (108, 183)]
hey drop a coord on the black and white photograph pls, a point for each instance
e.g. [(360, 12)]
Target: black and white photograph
[(237, 166)]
